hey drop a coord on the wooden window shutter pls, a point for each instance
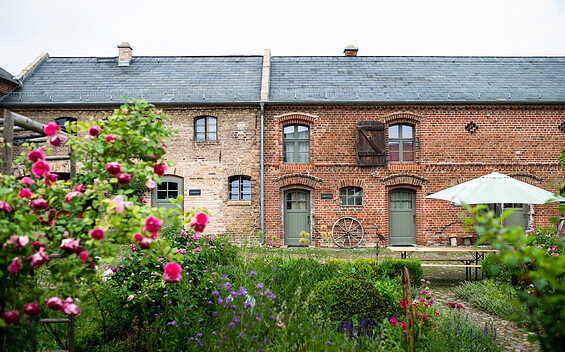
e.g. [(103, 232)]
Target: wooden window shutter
[(370, 142)]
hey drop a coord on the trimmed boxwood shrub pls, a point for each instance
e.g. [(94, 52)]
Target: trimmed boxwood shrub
[(393, 268), (348, 296)]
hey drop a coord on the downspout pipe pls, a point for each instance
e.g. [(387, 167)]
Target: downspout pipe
[(262, 105)]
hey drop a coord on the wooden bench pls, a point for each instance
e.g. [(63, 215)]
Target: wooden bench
[(468, 265)]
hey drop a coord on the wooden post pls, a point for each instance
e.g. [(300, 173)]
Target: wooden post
[(8, 134), (408, 311)]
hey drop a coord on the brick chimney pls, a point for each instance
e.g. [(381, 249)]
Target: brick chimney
[(350, 50), (124, 54)]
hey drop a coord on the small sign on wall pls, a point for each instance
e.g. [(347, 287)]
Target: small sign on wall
[(194, 192), (327, 196)]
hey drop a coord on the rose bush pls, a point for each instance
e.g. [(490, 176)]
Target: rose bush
[(76, 224)]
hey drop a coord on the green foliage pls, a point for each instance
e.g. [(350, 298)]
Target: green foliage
[(545, 299), (391, 293), (351, 296), (392, 268), (494, 297), (365, 267), (492, 267)]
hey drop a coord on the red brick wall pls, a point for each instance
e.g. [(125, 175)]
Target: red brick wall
[(6, 86), (523, 141)]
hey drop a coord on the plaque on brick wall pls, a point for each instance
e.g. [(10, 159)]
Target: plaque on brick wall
[(327, 195), (194, 192)]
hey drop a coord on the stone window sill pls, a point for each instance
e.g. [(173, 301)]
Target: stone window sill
[(239, 202)]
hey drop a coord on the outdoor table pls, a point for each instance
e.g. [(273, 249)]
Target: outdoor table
[(477, 253)]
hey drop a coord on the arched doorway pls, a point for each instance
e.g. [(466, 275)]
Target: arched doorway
[(402, 217)]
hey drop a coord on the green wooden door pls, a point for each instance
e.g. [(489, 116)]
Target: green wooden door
[(402, 217), (296, 215), (170, 187), (519, 217)]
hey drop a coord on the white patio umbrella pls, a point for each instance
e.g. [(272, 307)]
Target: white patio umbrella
[(495, 188)]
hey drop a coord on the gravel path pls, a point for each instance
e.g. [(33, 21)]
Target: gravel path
[(510, 336)]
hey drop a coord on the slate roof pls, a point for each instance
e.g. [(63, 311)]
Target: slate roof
[(418, 79), (295, 79), (59, 80)]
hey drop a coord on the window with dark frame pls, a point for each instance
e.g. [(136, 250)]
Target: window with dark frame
[(205, 128), (168, 190), (296, 144), (401, 144), (240, 188), (351, 196)]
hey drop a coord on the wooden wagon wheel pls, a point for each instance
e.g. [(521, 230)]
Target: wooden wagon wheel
[(347, 232)]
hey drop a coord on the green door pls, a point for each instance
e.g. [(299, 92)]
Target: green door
[(402, 217), (170, 187), (296, 215), (519, 217)]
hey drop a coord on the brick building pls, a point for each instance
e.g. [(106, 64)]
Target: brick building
[(294, 143), (7, 82)]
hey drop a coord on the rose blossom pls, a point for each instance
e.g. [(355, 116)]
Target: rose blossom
[(159, 169), (202, 218), (54, 303), (32, 310), (38, 258), (114, 168), (11, 317), (83, 256), (40, 168), (124, 179), (27, 181), (70, 245), (94, 131), (51, 128), (97, 234), (57, 140), (50, 179), (71, 309), (110, 138), (35, 155), (25, 193), (150, 183), (393, 321), (172, 272), (137, 237), (152, 224), (5, 206), (119, 203), (15, 266), (145, 242), (22, 241), (39, 204), (71, 195)]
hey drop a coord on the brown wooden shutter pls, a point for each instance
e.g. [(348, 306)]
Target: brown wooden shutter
[(370, 141)]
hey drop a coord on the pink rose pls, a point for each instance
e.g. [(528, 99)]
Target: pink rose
[(71, 309), (32, 310), (38, 258), (27, 181), (25, 193), (40, 168), (36, 245), (114, 168), (97, 234), (70, 245), (125, 111), (145, 242), (22, 241), (51, 128), (172, 272), (110, 138), (152, 224), (71, 195), (197, 227), (119, 203), (159, 169), (11, 317), (54, 303), (393, 321), (202, 218), (39, 204), (15, 266), (35, 155), (94, 131), (79, 188), (83, 256), (137, 237), (57, 140), (50, 179), (124, 179), (5, 206), (150, 183)]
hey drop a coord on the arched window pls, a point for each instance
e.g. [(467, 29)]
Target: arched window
[(240, 188), (401, 144), (296, 144), (351, 196), (205, 128)]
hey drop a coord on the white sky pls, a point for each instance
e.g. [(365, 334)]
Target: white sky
[(287, 27)]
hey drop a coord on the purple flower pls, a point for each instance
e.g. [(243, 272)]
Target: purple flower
[(259, 286), (253, 273), (215, 292), (231, 325)]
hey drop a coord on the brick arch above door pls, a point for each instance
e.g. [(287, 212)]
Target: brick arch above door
[(298, 179)]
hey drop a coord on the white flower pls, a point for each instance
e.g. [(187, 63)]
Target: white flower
[(130, 297)]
